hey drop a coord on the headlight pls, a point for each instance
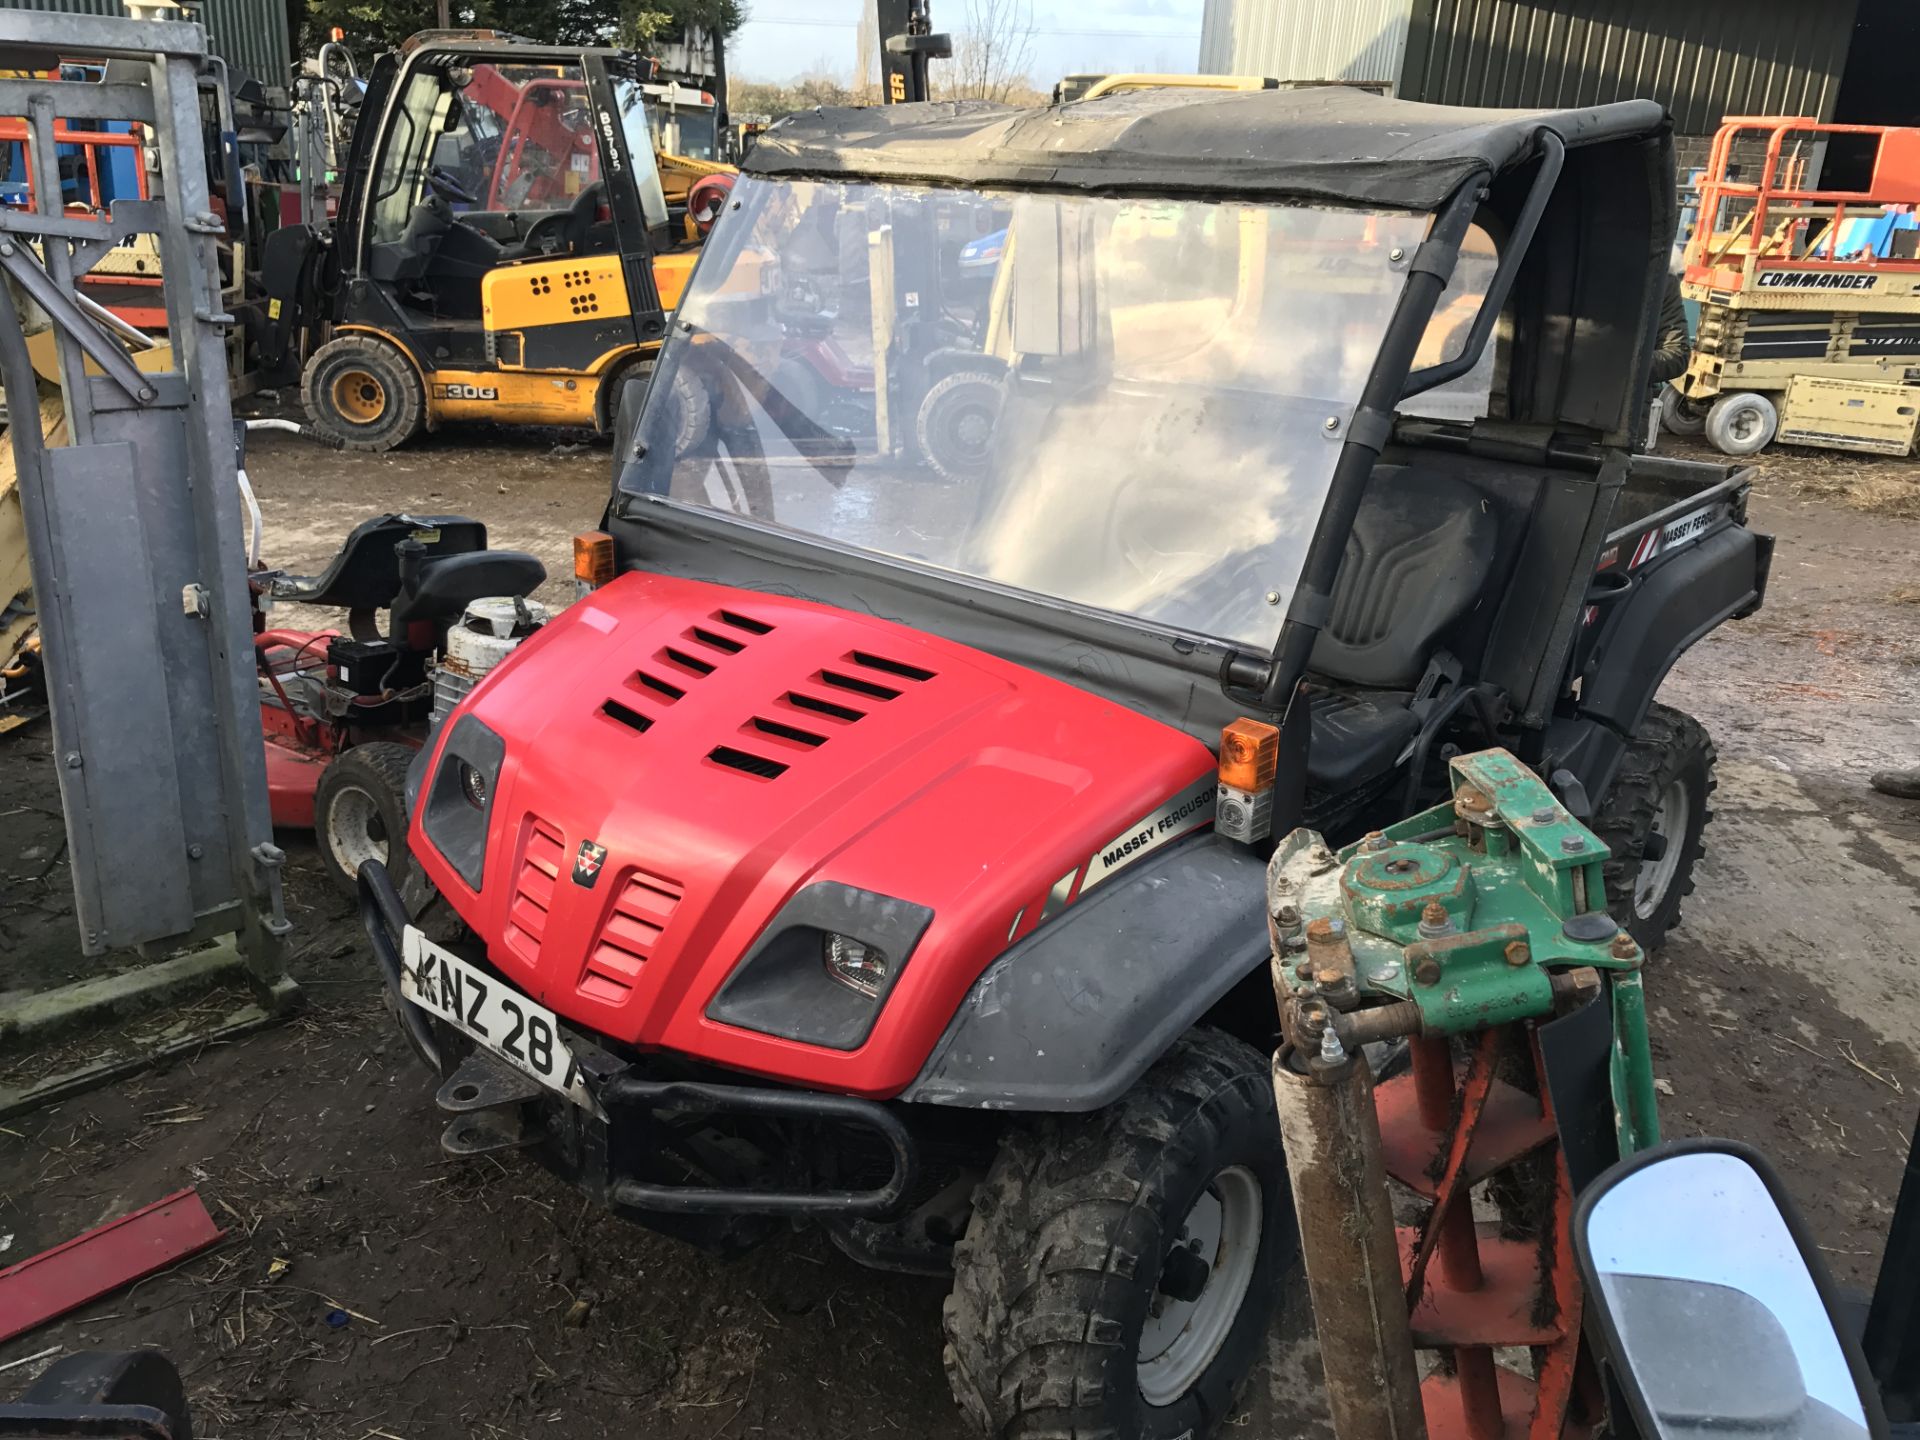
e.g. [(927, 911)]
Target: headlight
[(856, 965), (459, 799), (822, 970), (473, 784)]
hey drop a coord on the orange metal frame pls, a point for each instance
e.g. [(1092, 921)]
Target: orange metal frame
[(1779, 193), (14, 130), (1470, 1288)]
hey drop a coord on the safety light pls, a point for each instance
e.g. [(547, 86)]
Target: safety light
[(592, 561), (856, 965), (1249, 754), (1249, 759)]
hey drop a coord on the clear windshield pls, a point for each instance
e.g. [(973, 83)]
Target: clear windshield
[(1130, 405)]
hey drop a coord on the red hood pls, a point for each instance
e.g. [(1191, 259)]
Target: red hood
[(728, 747)]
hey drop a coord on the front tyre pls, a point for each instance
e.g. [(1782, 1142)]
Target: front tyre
[(360, 812), (955, 423), (1742, 424), (1654, 823), (1119, 1269), (363, 394)]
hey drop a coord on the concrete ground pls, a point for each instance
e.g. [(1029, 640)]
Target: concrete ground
[(1784, 1009)]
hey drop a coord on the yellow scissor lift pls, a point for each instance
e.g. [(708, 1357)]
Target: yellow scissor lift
[(1809, 298)]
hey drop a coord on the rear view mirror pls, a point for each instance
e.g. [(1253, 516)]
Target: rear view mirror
[(1715, 1313)]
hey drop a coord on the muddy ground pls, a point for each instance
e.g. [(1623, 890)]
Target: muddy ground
[(1784, 1012)]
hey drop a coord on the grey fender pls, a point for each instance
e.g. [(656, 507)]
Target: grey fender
[(1675, 601), (1070, 1017)]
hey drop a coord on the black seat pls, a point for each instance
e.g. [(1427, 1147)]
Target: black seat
[(441, 589), (1420, 554), (365, 575)]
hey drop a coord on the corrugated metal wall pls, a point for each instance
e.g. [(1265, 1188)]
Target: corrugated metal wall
[(1701, 58), (1305, 39), (250, 35)]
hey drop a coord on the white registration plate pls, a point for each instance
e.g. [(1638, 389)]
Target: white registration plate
[(520, 1032)]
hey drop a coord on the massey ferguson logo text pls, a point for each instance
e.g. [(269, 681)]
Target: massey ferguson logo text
[(1807, 280), (586, 864), (1156, 827)]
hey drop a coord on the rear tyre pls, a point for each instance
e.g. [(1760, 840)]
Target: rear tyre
[(362, 394), (1067, 1315), (956, 421), (1680, 415), (1654, 823), (360, 812), (1742, 424)]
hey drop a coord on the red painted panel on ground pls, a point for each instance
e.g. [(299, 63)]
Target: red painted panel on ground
[(102, 1260)]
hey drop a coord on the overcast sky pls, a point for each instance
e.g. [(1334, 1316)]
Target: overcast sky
[(785, 38)]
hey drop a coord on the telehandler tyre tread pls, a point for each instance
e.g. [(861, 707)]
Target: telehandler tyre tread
[(363, 394), (1069, 1234), (1670, 748)]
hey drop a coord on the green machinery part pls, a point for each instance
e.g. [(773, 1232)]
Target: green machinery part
[(1483, 911)]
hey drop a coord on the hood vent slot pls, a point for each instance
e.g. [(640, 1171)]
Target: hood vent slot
[(692, 664), (668, 693), (786, 732), (724, 643), (743, 622), (746, 762), (541, 856), (891, 667), (824, 707), (626, 942), (857, 685), (632, 719)]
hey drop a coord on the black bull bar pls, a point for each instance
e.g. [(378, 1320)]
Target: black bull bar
[(629, 1097)]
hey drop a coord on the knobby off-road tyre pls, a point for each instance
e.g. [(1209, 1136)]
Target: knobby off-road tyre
[(1057, 1279), (362, 394), (360, 812), (1654, 822)]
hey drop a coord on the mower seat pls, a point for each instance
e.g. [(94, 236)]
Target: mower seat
[(443, 588), (365, 575), (1419, 556)]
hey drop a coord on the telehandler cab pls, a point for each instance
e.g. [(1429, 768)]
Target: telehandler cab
[(504, 249), (883, 843)]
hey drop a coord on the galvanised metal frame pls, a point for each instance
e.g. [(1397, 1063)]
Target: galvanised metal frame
[(135, 532)]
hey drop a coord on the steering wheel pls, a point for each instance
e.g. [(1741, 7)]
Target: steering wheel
[(568, 227), (447, 186)]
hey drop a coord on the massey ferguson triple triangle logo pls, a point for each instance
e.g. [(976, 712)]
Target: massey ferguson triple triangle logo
[(586, 864)]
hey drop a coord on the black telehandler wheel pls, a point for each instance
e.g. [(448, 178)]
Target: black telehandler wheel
[(1654, 822), (1120, 1267)]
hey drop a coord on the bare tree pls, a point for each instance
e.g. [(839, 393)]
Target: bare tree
[(992, 52)]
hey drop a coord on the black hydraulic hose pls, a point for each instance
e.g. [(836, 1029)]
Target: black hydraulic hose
[(1367, 435)]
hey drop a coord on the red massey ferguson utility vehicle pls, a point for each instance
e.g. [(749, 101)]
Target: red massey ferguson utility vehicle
[(883, 842)]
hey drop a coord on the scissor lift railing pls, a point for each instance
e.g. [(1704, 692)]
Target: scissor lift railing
[(1776, 222), (136, 538)]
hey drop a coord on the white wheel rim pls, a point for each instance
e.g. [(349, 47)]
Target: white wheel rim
[(1745, 423), (1181, 1337), (355, 832), (1655, 879)]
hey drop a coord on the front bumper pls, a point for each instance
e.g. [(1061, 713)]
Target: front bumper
[(631, 1160)]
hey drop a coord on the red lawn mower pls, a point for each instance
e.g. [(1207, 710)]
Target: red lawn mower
[(344, 712)]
